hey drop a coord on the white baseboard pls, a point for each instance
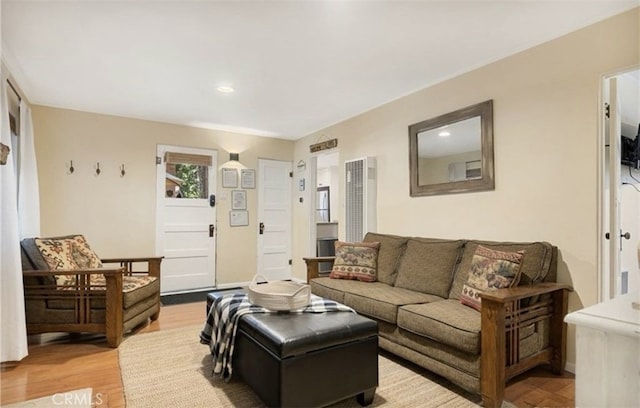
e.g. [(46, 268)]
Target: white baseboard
[(570, 367), (180, 292), (233, 285)]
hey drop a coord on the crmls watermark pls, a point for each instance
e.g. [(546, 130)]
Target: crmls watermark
[(73, 399)]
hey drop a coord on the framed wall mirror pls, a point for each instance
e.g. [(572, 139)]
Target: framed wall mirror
[(452, 153)]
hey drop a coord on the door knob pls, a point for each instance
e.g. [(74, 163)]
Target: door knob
[(212, 228), (261, 228), (626, 235)]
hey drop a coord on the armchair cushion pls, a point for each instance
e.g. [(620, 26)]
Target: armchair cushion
[(134, 290), (71, 252)]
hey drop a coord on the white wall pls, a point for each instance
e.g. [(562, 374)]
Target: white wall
[(545, 144)]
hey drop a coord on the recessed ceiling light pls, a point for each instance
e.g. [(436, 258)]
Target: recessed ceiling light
[(225, 89), (444, 133)]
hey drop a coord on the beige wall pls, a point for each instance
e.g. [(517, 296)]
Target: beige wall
[(118, 214), (546, 152)]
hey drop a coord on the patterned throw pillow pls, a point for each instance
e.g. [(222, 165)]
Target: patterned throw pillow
[(490, 270), (67, 253), (356, 260)]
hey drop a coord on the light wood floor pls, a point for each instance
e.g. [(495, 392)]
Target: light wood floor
[(59, 363)]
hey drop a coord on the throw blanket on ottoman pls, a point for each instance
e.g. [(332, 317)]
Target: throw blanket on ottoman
[(219, 330)]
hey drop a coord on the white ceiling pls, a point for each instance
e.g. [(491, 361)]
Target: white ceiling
[(297, 66)]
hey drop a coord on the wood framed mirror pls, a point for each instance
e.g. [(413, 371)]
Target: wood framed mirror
[(453, 153)]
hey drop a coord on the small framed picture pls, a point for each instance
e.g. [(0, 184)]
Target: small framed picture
[(238, 218), (238, 200), (229, 178), (248, 178)]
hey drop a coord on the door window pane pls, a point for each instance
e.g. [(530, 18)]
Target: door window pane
[(186, 180)]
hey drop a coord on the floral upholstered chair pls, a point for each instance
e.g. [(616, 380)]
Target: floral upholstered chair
[(68, 288)]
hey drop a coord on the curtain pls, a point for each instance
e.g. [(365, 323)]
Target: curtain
[(28, 191), (13, 333)]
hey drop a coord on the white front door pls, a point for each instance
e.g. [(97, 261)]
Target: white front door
[(186, 217), (274, 219)]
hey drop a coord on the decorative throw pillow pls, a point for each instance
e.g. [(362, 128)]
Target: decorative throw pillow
[(67, 253), (490, 270), (355, 260)]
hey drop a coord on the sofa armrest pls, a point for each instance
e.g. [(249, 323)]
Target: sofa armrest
[(522, 292), (503, 313), (152, 267), (313, 265)]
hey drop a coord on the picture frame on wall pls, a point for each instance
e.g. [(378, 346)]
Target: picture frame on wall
[(248, 178), (229, 178), (238, 218), (238, 200)]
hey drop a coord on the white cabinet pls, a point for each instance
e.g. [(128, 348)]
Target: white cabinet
[(608, 353)]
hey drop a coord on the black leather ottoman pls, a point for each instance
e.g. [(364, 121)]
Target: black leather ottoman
[(307, 359)]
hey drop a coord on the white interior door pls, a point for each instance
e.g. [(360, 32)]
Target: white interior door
[(615, 128), (186, 218), (621, 207), (274, 219)]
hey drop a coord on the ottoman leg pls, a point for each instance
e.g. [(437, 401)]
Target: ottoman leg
[(366, 398)]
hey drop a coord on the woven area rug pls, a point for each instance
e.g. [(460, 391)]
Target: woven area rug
[(172, 369)]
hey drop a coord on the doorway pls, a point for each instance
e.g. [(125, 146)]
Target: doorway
[(186, 218), (619, 241), (326, 194)]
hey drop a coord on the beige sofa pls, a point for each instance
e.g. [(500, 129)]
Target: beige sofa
[(415, 301)]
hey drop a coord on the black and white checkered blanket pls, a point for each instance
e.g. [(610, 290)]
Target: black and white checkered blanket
[(219, 330)]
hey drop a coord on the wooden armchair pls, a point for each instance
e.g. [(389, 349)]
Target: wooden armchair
[(76, 296)]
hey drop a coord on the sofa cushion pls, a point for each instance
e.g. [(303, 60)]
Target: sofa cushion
[(427, 265), (331, 288), (446, 321), (534, 269), (490, 270), (389, 254), (382, 301), (355, 260), (374, 299)]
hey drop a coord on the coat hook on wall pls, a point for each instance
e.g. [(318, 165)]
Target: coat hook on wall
[(71, 168), (97, 168), (122, 172)]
